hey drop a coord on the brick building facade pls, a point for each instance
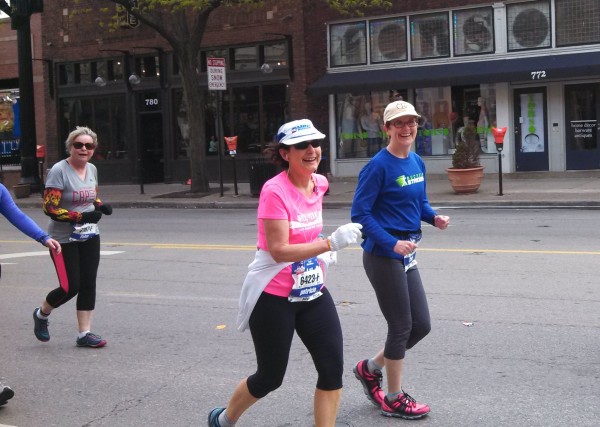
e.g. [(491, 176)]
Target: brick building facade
[(456, 59)]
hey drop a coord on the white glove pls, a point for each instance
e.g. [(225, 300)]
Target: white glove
[(345, 235)]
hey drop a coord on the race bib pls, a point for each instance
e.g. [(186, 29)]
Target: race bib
[(410, 260), (308, 280), (82, 232)]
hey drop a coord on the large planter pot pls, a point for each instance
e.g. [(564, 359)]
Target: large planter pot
[(21, 191), (465, 181)]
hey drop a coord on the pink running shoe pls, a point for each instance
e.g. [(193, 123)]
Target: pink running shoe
[(404, 407), (371, 382)]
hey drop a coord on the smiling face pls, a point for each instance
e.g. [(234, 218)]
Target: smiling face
[(402, 130), (300, 159)]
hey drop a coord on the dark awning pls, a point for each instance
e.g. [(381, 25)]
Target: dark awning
[(464, 73)]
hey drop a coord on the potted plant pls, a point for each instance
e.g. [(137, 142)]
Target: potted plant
[(466, 172), (21, 191)]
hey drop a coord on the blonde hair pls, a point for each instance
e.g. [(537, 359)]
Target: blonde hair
[(80, 130)]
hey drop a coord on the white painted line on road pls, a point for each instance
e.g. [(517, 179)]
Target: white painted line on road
[(45, 253)]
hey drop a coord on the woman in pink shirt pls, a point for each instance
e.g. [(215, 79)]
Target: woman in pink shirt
[(284, 290)]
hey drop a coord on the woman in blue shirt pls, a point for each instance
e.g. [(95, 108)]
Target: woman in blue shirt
[(12, 213), (390, 202)]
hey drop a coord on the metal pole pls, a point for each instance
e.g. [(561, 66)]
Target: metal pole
[(29, 170), (220, 140), (500, 172), (235, 186)]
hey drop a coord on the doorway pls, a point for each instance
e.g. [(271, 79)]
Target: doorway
[(582, 105), (151, 145), (531, 136)]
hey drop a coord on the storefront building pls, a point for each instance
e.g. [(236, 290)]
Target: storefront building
[(125, 85), (532, 66)]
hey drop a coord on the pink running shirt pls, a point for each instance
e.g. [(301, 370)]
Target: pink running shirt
[(279, 199)]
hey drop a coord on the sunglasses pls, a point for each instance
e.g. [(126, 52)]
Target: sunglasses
[(304, 145), (79, 145), (400, 124)]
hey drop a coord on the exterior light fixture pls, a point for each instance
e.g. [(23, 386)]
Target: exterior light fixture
[(134, 79), (266, 68), (100, 81)]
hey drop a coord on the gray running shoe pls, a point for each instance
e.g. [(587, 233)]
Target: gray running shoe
[(40, 327)]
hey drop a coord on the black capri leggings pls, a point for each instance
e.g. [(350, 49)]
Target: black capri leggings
[(402, 302), (81, 263), (272, 325)]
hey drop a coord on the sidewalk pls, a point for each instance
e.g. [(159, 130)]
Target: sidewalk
[(547, 189)]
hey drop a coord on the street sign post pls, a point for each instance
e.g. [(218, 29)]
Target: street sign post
[(216, 74), (217, 81)]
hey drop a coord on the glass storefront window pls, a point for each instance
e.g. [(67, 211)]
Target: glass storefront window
[(104, 115), (66, 74), (577, 22), (242, 118), (582, 112), (182, 129), (245, 58), (474, 106), (85, 73), (348, 44), (435, 134), (388, 40), (445, 111), (473, 31), (360, 122), (430, 36), (253, 114), (275, 55), (147, 66), (529, 25), (275, 111)]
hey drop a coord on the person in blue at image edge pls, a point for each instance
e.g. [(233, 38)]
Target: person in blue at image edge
[(19, 219), (390, 202), (284, 291)]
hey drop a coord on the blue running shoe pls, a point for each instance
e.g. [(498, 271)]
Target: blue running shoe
[(213, 417), (91, 340), (40, 327)]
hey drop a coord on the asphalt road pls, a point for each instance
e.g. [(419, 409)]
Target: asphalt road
[(525, 280)]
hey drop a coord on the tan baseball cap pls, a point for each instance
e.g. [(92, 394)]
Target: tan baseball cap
[(398, 109)]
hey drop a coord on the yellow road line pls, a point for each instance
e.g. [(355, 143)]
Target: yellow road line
[(219, 247)]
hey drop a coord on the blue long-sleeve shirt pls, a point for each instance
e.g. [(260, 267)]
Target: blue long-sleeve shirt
[(390, 197), (11, 211)]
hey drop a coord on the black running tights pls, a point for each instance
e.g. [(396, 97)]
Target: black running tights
[(272, 325), (402, 302), (81, 261)]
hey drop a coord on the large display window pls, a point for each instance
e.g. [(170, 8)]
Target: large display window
[(445, 112), (104, 115)]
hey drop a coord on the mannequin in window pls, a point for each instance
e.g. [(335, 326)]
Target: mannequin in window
[(213, 145), (349, 127), (424, 134), (483, 124), (369, 121)]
